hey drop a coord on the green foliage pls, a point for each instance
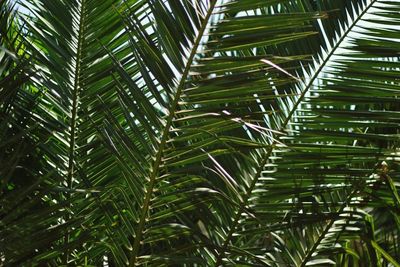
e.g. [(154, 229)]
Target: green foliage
[(199, 133)]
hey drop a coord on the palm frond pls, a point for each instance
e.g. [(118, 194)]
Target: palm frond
[(245, 133)]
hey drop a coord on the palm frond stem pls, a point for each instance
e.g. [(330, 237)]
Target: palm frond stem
[(75, 105), (165, 135), (75, 90), (310, 252)]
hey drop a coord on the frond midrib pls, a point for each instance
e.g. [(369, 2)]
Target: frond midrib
[(76, 87), (165, 135), (322, 235), (75, 106)]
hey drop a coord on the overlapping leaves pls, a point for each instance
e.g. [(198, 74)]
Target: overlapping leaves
[(213, 133)]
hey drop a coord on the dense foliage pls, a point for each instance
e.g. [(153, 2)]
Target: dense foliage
[(199, 133)]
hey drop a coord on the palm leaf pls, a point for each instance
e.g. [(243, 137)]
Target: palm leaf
[(206, 133)]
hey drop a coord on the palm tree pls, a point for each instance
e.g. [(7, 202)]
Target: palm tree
[(199, 133)]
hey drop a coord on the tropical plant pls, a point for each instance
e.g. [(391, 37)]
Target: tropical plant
[(199, 132)]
